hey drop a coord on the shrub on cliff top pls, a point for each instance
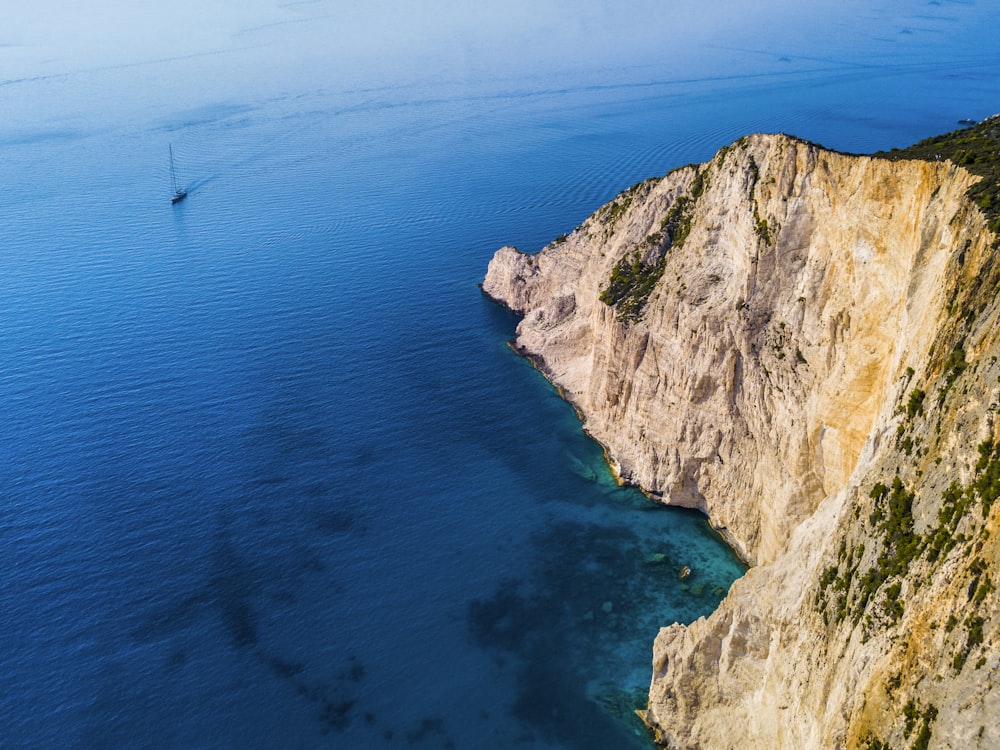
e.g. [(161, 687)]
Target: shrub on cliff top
[(977, 149)]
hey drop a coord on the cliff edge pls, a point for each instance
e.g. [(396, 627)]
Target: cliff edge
[(803, 345)]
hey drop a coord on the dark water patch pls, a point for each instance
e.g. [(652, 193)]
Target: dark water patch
[(237, 615), (579, 631), (335, 702), (234, 588), (231, 590), (499, 623), (160, 621), (549, 701), (354, 673), (337, 521), (543, 622), (270, 481), (286, 670), (336, 715), (235, 594), (430, 729)]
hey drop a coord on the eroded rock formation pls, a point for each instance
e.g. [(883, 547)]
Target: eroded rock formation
[(803, 345)]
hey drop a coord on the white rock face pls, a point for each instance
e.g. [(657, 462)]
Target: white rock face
[(752, 381), (762, 378)]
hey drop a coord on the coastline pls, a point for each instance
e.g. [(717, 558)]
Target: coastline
[(764, 379), (612, 463)]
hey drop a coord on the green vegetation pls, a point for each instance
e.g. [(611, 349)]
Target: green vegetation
[(636, 274), (721, 154), (915, 406), (987, 481), (956, 501), (617, 208), (892, 517), (954, 505), (614, 211), (906, 444), (952, 368), (840, 584), (846, 590), (761, 227), (892, 522), (630, 285), (914, 717), (676, 225), (760, 224), (984, 589), (973, 637), (915, 720), (955, 365), (977, 149)]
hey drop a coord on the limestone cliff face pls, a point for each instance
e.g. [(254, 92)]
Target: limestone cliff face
[(775, 337), (753, 377)]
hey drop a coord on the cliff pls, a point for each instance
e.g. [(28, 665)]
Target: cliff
[(804, 345)]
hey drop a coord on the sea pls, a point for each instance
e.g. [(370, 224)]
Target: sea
[(270, 474)]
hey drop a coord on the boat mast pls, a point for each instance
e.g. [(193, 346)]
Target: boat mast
[(173, 174)]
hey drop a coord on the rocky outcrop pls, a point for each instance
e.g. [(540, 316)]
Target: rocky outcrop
[(775, 337)]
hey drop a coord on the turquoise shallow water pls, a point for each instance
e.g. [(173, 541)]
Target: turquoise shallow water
[(272, 476)]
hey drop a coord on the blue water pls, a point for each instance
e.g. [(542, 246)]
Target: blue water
[(271, 475)]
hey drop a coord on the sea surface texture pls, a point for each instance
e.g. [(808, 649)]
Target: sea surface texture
[(271, 476)]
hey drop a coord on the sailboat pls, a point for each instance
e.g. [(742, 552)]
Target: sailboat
[(179, 193)]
